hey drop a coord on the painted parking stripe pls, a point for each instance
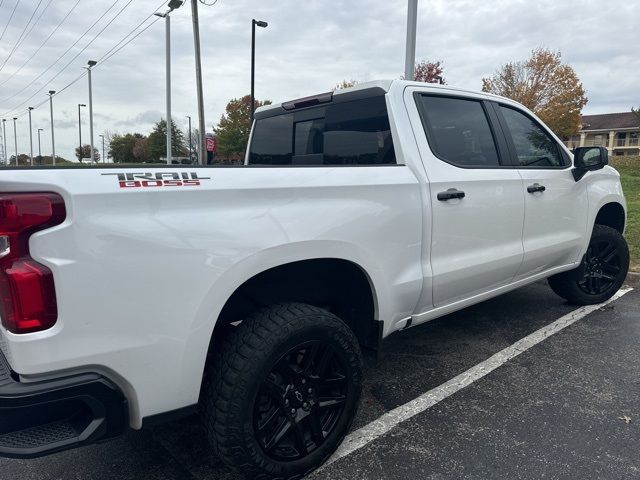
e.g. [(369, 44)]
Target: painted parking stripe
[(361, 437)]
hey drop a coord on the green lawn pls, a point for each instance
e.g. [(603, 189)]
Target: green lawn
[(629, 169)]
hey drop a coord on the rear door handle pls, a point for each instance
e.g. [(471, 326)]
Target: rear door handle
[(450, 194), (536, 187)]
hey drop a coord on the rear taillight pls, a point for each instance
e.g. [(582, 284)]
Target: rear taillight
[(27, 292)]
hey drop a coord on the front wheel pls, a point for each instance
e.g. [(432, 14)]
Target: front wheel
[(282, 391), (602, 271)]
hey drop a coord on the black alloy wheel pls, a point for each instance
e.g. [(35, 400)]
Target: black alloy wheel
[(300, 401), (601, 265)]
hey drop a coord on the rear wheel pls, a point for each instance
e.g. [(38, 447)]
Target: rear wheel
[(602, 271), (282, 392)]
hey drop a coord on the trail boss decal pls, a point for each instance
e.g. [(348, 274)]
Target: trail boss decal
[(158, 179)]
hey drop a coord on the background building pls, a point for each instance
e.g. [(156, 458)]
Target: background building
[(618, 132)]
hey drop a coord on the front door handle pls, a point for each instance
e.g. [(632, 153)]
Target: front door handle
[(536, 187), (450, 194)]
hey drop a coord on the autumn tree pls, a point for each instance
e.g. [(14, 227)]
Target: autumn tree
[(157, 142), (546, 86), (121, 147), (344, 84), (429, 72), (233, 128), (86, 153)]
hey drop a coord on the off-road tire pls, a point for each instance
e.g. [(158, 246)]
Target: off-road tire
[(244, 359)]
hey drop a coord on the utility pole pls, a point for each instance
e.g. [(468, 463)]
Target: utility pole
[(30, 138), (15, 139), (103, 159), (39, 146), (92, 63), (196, 43), (190, 141), (254, 23), (53, 140), (410, 53), (80, 131)]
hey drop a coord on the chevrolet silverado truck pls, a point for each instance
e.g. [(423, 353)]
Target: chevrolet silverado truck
[(247, 293)]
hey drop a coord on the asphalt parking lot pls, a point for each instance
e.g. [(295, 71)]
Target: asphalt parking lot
[(567, 408)]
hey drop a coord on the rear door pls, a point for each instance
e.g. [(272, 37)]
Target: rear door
[(555, 204), (477, 204)]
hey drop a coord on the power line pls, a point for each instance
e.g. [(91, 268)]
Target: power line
[(62, 56), (42, 44), (15, 46), (9, 21), (24, 37)]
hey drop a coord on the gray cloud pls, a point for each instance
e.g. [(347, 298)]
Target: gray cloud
[(308, 47)]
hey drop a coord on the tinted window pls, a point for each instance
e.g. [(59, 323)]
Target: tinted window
[(350, 133), (459, 131), (534, 146)]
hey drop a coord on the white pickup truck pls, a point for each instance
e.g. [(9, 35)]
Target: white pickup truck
[(135, 295)]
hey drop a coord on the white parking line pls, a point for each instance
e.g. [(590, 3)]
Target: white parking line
[(358, 439)]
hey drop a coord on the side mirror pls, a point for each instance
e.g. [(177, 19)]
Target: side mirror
[(586, 159)]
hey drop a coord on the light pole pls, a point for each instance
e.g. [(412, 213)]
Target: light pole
[(103, 159), (15, 139), (92, 63), (410, 52), (254, 23), (196, 46), (4, 141), (173, 4), (80, 131), (39, 146), (30, 138), (190, 141), (53, 140)]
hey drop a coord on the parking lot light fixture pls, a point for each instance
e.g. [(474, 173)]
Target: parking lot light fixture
[(53, 140), (254, 23)]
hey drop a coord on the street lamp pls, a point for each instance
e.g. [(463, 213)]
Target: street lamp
[(91, 63), (4, 141), (173, 4), (53, 140), (103, 159), (254, 23), (190, 141), (39, 147), (30, 138), (15, 139), (80, 131)]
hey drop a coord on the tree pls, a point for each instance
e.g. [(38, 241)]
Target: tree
[(121, 147), (157, 141), (233, 129), (429, 72), (546, 86), (345, 84), (86, 153)]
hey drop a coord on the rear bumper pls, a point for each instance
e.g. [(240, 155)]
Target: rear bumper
[(40, 418)]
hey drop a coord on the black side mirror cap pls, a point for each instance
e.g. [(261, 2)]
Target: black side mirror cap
[(586, 159)]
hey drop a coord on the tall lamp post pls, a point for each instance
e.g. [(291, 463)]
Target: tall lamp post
[(103, 159), (199, 90), (80, 131), (410, 52), (91, 63), (15, 139), (4, 141), (30, 138), (53, 140), (39, 146), (254, 23), (173, 4), (190, 141)]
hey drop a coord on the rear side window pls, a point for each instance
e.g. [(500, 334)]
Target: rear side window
[(534, 146), (350, 133), (458, 131)]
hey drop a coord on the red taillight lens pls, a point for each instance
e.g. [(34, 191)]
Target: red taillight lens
[(27, 291)]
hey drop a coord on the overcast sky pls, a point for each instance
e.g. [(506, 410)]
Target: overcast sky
[(308, 47)]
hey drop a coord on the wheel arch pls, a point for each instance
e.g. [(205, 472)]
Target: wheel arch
[(611, 214)]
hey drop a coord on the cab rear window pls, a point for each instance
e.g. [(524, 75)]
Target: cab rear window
[(348, 133)]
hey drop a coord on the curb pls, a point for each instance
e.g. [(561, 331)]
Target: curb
[(633, 279)]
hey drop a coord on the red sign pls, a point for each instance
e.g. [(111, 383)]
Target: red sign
[(211, 144)]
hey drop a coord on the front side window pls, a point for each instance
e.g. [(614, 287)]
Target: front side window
[(534, 146), (349, 133), (458, 131)]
